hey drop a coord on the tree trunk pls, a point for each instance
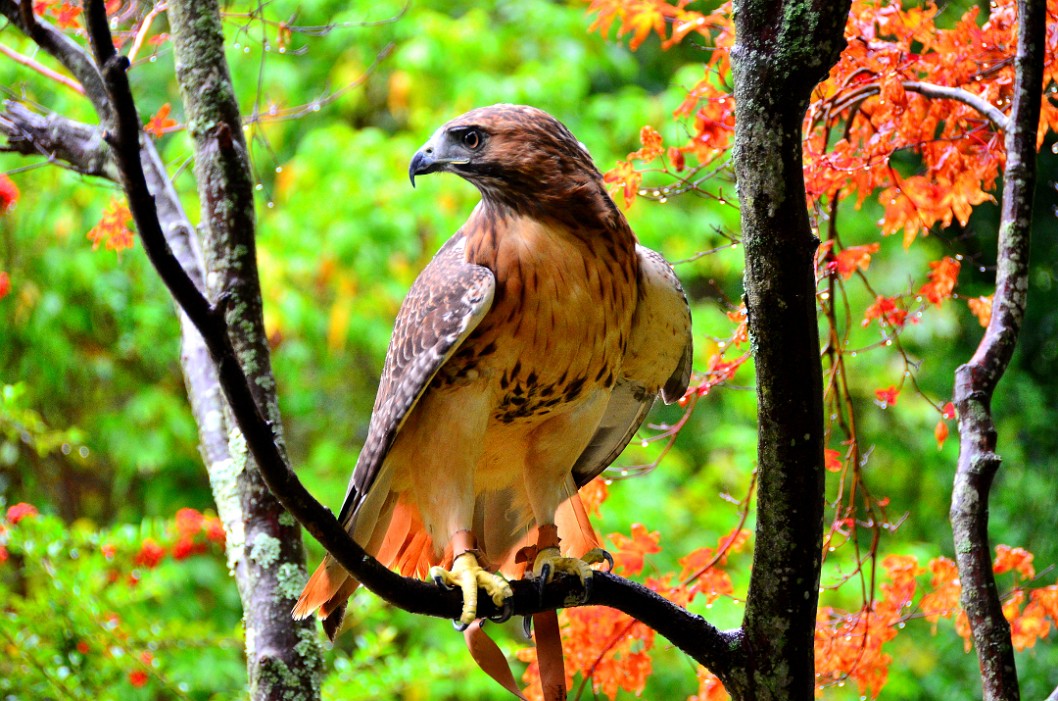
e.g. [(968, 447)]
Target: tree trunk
[(975, 382), (783, 49)]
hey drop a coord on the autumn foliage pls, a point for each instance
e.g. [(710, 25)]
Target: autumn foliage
[(912, 117)]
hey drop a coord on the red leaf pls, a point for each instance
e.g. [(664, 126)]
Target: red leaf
[(160, 123), (887, 397)]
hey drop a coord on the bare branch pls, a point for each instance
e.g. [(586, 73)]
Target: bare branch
[(79, 145), (41, 69), (975, 382), (993, 114)]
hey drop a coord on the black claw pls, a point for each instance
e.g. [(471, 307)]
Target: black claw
[(541, 584), (609, 560), (460, 626), (505, 613), (439, 581), (527, 627)]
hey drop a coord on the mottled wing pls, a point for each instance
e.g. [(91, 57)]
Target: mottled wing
[(657, 361), (445, 304)]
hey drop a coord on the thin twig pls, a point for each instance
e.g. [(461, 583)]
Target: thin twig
[(42, 69)]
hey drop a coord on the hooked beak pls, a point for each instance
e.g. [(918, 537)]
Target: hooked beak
[(423, 162), (433, 157)]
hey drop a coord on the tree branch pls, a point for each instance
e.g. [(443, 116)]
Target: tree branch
[(79, 145), (41, 69), (975, 382), (689, 632), (999, 120)]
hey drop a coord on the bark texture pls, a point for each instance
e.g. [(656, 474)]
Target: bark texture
[(783, 48), (283, 659), (975, 382)]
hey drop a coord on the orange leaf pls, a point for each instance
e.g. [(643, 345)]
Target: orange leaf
[(652, 148), (630, 551), (1018, 559), (113, 229), (887, 397), (940, 432), (160, 122), (885, 310), (846, 261), (624, 174), (942, 277), (981, 308)]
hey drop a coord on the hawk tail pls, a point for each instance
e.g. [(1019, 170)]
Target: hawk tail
[(404, 545)]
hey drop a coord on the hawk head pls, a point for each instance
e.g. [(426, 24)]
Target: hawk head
[(517, 156)]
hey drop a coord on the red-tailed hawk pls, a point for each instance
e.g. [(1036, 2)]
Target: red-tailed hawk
[(525, 357)]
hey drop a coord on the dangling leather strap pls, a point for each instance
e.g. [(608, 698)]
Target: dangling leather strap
[(490, 658), (492, 661), (549, 656)]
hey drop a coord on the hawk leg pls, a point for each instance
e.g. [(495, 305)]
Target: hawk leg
[(468, 574), (549, 561)]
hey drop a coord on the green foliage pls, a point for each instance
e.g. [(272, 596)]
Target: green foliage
[(89, 614)]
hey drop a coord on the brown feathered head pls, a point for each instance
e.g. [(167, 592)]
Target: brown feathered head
[(517, 156)]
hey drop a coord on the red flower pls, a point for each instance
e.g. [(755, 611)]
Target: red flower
[(82, 647), (108, 550), (8, 193), (20, 511), (150, 554), (5, 284), (3, 554), (215, 530), (183, 549), (138, 678), (189, 522)]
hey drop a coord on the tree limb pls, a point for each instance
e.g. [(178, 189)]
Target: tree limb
[(57, 138), (975, 382), (993, 114), (687, 631)]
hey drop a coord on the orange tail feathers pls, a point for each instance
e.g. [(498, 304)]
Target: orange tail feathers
[(577, 534), (404, 545), (328, 590)]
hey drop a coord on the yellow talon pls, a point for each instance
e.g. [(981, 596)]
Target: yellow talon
[(469, 576), (550, 562)]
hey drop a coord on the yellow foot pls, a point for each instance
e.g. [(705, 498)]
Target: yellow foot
[(468, 575), (550, 562)]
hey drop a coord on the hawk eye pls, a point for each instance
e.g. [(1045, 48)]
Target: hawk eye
[(472, 139)]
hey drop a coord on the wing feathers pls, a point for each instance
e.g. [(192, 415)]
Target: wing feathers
[(658, 360)]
